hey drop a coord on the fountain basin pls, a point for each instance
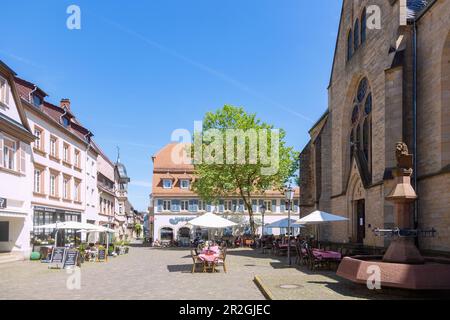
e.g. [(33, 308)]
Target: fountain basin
[(434, 274)]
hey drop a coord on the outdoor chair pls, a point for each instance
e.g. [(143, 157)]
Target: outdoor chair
[(278, 250), (222, 259), (196, 261), (314, 262), (267, 246)]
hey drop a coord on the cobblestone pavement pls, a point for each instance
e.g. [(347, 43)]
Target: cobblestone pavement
[(148, 273)]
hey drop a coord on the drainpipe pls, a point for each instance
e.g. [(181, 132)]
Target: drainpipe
[(30, 100), (415, 175)]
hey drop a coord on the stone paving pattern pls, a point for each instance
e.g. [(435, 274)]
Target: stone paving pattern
[(149, 273)]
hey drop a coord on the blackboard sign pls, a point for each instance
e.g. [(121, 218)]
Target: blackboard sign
[(71, 259), (58, 255), (101, 255)]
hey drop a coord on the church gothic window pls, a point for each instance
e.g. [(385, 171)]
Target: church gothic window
[(350, 45), (356, 35), (361, 123), (363, 26)]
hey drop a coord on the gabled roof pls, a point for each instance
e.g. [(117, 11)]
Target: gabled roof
[(55, 113)]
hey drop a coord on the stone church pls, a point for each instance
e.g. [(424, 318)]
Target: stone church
[(387, 85)]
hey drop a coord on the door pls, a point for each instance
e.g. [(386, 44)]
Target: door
[(4, 231), (361, 221)]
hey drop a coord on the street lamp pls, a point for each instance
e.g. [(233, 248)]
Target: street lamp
[(289, 194), (263, 211)]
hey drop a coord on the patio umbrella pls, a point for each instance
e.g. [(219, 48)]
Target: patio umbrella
[(100, 229), (68, 225), (284, 224), (211, 221), (320, 217)]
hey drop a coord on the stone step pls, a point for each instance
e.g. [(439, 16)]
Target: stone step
[(8, 258)]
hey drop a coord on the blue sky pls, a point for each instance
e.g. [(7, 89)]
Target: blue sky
[(137, 70)]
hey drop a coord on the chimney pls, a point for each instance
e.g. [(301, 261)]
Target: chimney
[(65, 104)]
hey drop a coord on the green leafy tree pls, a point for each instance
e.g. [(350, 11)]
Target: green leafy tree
[(138, 230), (232, 176)]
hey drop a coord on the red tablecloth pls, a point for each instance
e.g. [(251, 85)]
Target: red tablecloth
[(327, 254), (214, 250), (208, 257)]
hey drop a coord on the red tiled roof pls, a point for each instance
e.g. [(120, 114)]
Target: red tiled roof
[(25, 88)]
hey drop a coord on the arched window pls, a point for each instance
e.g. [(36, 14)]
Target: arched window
[(361, 123), (363, 26), (356, 35), (349, 45)]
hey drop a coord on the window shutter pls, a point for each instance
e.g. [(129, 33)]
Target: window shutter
[(22, 153), (274, 205), (1, 150)]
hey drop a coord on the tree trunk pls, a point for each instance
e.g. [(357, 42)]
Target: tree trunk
[(251, 218)]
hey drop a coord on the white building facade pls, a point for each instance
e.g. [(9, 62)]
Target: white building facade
[(174, 204), (64, 166), (15, 170)]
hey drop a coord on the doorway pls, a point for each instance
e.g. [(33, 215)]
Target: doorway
[(360, 221)]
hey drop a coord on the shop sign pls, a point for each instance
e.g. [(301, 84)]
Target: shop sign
[(175, 221)]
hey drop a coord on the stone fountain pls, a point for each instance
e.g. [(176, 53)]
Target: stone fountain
[(402, 266)]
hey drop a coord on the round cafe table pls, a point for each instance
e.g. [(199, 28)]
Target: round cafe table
[(209, 260)]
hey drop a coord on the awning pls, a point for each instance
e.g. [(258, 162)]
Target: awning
[(13, 214)]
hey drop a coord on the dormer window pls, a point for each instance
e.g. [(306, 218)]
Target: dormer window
[(37, 100), (167, 184), (184, 184), (65, 122)]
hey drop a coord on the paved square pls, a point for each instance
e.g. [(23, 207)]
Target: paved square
[(149, 273)]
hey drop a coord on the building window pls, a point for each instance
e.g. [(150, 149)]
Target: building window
[(228, 205), (37, 100), (39, 142), (77, 159), (9, 154), (184, 184), (167, 205), (268, 205), (66, 153), (361, 123), (38, 181), (201, 205), (54, 184), (66, 188), (54, 147), (65, 122), (363, 26), (4, 91), (184, 205), (167, 184), (77, 191), (356, 35)]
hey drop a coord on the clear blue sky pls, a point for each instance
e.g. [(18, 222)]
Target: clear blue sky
[(137, 70)]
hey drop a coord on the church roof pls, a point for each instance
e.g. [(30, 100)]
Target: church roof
[(415, 7), (122, 170)]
